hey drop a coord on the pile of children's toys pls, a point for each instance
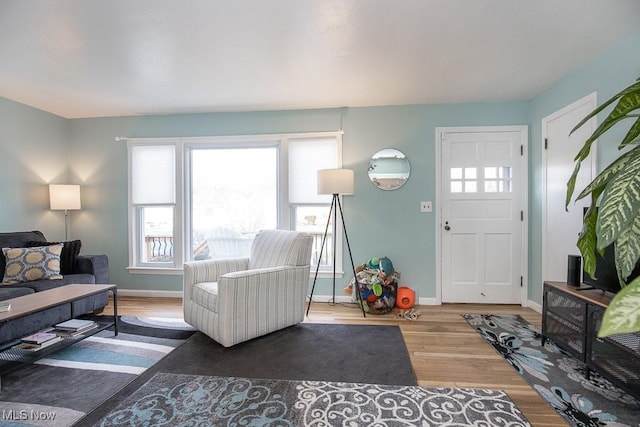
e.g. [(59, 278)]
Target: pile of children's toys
[(377, 284)]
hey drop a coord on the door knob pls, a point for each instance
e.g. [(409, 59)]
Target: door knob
[(446, 226)]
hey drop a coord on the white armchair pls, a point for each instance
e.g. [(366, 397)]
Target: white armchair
[(235, 300)]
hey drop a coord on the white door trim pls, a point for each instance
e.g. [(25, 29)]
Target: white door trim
[(439, 135), (592, 99)]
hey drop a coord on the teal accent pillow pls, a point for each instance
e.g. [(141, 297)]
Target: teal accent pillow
[(29, 264)]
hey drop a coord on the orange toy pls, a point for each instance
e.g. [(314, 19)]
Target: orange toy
[(371, 298), (406, 298)]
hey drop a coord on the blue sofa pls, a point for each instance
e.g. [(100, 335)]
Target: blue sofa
[(87, 269)]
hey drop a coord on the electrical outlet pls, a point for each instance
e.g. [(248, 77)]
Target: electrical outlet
[(425, 207)]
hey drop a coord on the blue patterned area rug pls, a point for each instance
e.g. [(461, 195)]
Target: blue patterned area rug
[(557, 376), (196, 400), (63, 387)]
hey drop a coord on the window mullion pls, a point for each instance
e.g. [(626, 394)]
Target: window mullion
[(179, 223)]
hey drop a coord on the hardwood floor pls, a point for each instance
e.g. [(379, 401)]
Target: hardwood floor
[(444, 350)]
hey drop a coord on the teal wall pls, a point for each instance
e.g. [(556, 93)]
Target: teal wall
[(33, 153), (379, 223), (39, 148)]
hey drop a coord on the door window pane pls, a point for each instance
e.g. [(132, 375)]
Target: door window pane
[(470, 173), (497, 179), (471, 187), (464, 180), (234, 195), (456, 186)]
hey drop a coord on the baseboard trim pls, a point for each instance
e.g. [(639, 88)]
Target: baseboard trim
[(178, 294), (534, 306), (149, 293), (428, 301), (316, 298), (347, 299), (329, 298)]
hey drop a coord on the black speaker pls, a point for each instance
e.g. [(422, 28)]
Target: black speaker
[(574, 270)]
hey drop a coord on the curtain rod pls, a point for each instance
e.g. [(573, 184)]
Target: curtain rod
[(193, 138)]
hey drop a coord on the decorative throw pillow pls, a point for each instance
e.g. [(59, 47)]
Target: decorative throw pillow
[(29, 264), (70, 252)]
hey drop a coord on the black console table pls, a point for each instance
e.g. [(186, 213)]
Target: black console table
[(571, 318)]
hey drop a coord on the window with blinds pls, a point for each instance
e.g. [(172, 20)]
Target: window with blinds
[(310, 210), (200, 198), (153, 200)]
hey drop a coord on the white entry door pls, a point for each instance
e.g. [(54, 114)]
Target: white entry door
[(482, 193)]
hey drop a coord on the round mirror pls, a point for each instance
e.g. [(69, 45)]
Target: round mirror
[(389, 169)]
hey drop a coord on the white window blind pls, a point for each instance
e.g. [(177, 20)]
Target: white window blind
[(306, 157), (153, 174)]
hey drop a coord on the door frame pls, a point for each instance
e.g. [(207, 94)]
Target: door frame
[(524, 137), (592, 99)]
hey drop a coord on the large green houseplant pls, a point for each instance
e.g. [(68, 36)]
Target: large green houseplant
[(614, 214)]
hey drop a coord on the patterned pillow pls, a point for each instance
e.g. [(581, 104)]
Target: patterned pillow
[(29, 264), (70, 252)]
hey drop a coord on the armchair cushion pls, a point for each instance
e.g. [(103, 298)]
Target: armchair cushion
[(206, 295), (208, 271)]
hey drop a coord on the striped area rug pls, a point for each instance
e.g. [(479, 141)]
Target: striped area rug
[(100, 353), (60, 389)]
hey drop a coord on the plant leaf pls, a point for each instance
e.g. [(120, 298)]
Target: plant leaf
[(622, 316), (634, 87), (629, 102), (571, 185), (603, 177), (587, 239), (620, 203), (630, 95), (627, 250), (633, 136)]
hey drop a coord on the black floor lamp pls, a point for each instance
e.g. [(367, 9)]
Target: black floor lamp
[(335, 182)]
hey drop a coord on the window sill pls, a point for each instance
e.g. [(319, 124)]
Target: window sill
[(326, 274), (169, 271), (173, 271)]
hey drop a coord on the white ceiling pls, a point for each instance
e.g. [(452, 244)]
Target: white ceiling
[(81, 58)]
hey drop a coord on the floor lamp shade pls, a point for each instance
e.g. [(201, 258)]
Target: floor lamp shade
[(64, 197), (335, 181)]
